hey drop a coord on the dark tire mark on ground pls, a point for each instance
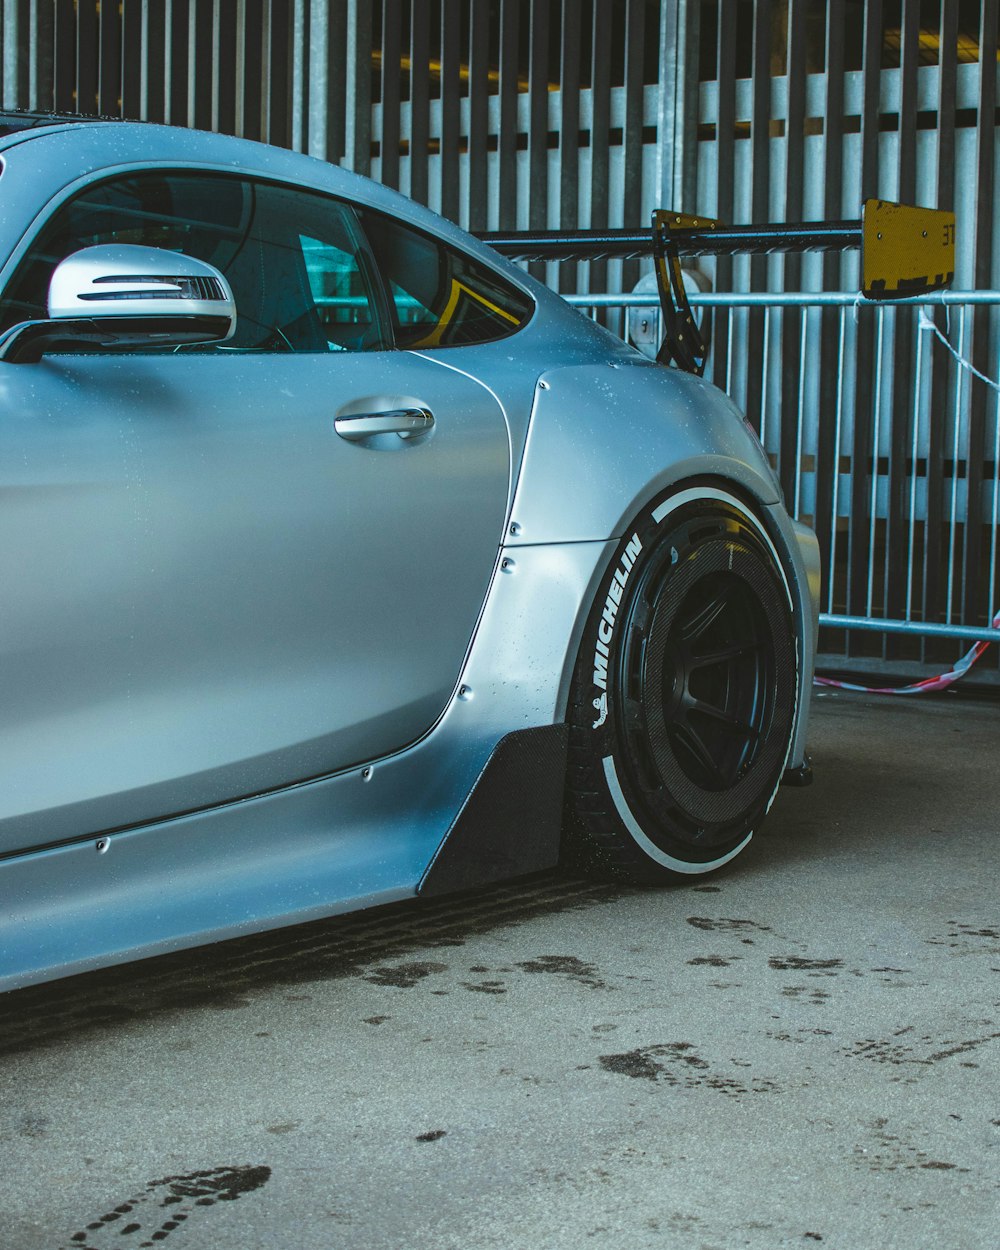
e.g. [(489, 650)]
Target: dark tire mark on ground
[(676, 1064), (484, 987), (180, 1196), (567, 966), (634, 1063), (918, 1055), (726, 924), (785, 963), (889, 1152), (405, 976)]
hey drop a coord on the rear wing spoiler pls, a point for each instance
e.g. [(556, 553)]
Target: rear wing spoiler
[(905, 251)]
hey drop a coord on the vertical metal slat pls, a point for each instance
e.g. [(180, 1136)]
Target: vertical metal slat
[(941, 362), (986, 132), (391, 70), (199, 82), (865, 362), (64, 66), (569, 131), (791, 330), (880, 315), (13, 39), (832, 323), (224, 67), (538, 121), (86, 58), (419, 100), (249, 69), (451, 94), (40, 71), (895, 571), (725, 152), (760, 183), (178, 31), (479, 100), (914, 477), (280, 26), (838, 427), (510, 15), (333, 101), (635, 32), (956, 455), (153, 64), (600, 124), (110, 62)]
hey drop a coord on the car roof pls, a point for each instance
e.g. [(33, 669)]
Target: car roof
[(63, 146), (67, 145), (13, 121)]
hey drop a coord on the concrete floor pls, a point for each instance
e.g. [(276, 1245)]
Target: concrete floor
[(801, 1050)]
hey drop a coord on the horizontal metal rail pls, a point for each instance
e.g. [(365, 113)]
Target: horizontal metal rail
[(920, 629), (784, 299)]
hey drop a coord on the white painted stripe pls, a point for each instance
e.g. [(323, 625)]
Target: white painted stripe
[(696, 494), (654, 852)]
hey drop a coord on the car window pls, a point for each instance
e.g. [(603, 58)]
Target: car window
[(439, 296), (293, 259)]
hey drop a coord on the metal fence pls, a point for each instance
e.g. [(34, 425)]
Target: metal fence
[(901, 486)]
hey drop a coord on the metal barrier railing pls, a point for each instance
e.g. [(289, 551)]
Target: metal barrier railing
[(883, 422)]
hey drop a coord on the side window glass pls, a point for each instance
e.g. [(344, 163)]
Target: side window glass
[(295, 260), (440, 297), (339, 293)]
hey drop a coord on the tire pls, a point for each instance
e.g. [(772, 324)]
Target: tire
[(684, 695)]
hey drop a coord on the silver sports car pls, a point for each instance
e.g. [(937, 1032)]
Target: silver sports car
[(344, 563)]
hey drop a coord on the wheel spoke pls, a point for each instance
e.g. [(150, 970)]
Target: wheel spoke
[(721, 655), (729, 719), (705, 617), (692, 740)]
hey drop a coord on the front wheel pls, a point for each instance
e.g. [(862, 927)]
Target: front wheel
[(684, 695)]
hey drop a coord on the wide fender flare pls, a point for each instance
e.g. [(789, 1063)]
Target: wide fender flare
[(603, 439), (606, 440)]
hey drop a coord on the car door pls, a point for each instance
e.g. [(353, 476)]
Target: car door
[(218, 580)]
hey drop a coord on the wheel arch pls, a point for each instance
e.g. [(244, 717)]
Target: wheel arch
[(795, 547), (607, 440)]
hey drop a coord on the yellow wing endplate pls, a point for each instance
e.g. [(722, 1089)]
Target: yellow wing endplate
[(904, 250)]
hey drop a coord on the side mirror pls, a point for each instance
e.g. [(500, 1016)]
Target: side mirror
[(118, 296)]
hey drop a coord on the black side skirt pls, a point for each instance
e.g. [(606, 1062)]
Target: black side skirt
[(510, 823)]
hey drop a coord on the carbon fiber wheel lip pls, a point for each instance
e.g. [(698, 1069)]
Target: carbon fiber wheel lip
[(713, 731)]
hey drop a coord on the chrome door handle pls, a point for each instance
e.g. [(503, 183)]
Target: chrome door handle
[(406, 422)]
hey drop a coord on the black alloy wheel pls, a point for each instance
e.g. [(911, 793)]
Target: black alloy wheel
[(680, 754)]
